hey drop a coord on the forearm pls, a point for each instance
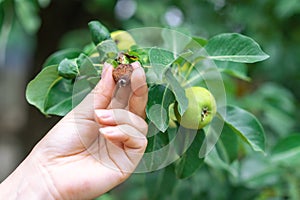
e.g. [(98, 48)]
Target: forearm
[(26, 182)]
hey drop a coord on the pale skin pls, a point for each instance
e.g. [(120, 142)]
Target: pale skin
[(91, 150)]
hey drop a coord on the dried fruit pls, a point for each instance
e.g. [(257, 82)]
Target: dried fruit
[(122, 74)]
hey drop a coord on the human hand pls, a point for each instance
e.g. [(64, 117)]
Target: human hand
[(74, 160)]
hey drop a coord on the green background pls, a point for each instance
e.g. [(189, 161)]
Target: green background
[(31, 30)]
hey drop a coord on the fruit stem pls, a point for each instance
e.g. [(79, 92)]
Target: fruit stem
[(189, 71)]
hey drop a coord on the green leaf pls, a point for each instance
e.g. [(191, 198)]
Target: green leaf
[(160, 59), (161, 56), (158, 149), (175, 41), (44, 3), (27, 13), (159, 100), (86, 67), (287, 150), (54, 95), (58, 56), (38, 89), (65, 95), (234, 47), (257, 171), (215, 160), (58, 101), (178, 91), (201, 41), (228, 143), (107, 49), (160, 184), (237, 70), (277, 106), (246, 126), (68, 69), (98, 31), (189, 162), (285, 9), (157, 141)]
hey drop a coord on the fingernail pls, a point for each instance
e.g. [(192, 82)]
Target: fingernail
[(136, 65), (106, 131), (103, 114)]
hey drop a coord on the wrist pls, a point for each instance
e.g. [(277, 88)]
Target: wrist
[(26, 182)]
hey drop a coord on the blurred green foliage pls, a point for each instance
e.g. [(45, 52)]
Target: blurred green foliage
[(272, 94)]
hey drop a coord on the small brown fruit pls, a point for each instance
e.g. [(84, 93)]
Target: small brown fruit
[(122, 73)]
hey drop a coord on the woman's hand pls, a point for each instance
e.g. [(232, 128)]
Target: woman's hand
[(92, 149)]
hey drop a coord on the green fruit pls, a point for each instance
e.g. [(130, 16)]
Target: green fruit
[(123, 39), (201, 108)]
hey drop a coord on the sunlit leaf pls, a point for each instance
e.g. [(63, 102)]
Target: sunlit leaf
[(234, 47)]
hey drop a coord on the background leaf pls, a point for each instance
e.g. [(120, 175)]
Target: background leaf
[(234, 47), (27, 13), (246, 126), (287, 150), (256, 171)]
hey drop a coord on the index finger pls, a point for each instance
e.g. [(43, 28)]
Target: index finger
[(139, 98)]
